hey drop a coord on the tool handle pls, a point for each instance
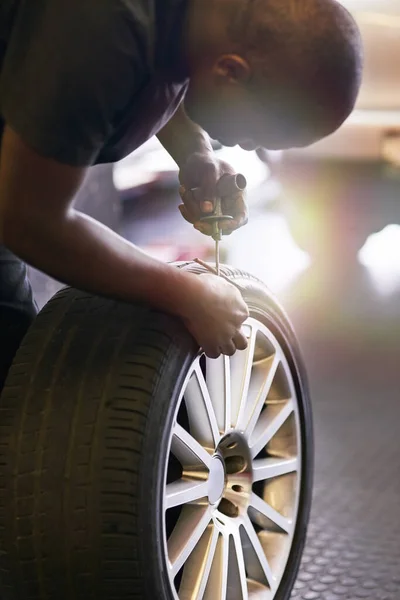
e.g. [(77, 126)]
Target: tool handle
[(229, 184)]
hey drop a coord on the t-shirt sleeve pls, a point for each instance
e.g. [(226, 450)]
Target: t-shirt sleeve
[(70, 71)]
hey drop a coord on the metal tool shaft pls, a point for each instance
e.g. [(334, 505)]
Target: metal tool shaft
[(217, 234), (227, 185), (217, 258)]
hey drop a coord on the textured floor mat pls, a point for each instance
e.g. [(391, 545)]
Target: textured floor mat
[(353, 549)]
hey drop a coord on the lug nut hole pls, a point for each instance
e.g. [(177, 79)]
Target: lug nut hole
[(231, 446), (238, 488), (228, 509), (235, 464)]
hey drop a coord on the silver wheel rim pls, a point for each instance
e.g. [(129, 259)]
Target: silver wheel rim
[(233, 474)]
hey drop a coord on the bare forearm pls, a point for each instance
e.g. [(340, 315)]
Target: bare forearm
[(39, 224), (181, 137), (82, 253)]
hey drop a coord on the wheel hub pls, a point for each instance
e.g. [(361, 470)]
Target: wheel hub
[(235, 454), (230, 475), (216, 480)]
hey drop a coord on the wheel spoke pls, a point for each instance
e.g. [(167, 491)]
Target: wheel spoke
[(202, 419), (259, 553), (267, 427), (237, 581), (241, 368), (218, 377), (273, 515), (218, 579), (257, 395), (267, 468), (191, 525), (198, 567), (185, 491), (187, 450)]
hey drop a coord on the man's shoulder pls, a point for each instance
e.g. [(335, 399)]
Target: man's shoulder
[(91, 57), (139, 13)]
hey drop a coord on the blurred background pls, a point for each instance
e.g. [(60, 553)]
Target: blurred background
[(324, 235)]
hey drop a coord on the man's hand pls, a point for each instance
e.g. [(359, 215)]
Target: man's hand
[(191, 149), (214, 312), (203, 171)]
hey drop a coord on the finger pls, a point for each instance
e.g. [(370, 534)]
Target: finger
[(240, 341), (229, 348), (212, 352), (236, 207), (205, 206), (232, 226), (203, 228), (226, 226), (184, 213), (238, 222), (209, 184), (192, 206)]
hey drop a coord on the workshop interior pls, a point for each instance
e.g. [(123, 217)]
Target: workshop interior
[(308, 509)]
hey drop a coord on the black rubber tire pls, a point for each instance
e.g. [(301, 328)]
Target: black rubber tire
[(84, 418)]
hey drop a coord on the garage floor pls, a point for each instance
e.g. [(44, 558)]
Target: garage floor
[(353, 549), (350, 335)]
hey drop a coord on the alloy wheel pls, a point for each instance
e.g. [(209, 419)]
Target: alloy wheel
[(233, 474)]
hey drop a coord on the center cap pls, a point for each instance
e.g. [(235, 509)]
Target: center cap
[(216, 480)]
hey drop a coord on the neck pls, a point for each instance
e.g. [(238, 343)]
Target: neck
[(206, 30)]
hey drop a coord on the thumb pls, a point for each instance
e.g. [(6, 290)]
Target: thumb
[(207, 206)]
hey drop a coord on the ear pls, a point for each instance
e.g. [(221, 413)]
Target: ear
[(232, 68)]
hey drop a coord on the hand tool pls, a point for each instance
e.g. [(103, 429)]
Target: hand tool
[(226, 186)]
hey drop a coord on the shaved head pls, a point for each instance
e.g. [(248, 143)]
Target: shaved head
[(272, 73), (310, 50)]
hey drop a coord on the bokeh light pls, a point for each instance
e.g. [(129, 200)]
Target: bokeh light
[(267, 249), (381, 255)]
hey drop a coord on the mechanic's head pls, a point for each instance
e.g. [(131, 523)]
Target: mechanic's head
[(272, 73)]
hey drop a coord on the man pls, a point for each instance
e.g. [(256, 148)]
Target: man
[(88, 81)]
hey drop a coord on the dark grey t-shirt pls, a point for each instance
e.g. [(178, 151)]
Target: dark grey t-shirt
[(88, 81)]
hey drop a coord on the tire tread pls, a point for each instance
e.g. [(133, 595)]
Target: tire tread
[(35, 414)]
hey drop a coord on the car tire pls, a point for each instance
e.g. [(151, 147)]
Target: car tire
[(88, 416)]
